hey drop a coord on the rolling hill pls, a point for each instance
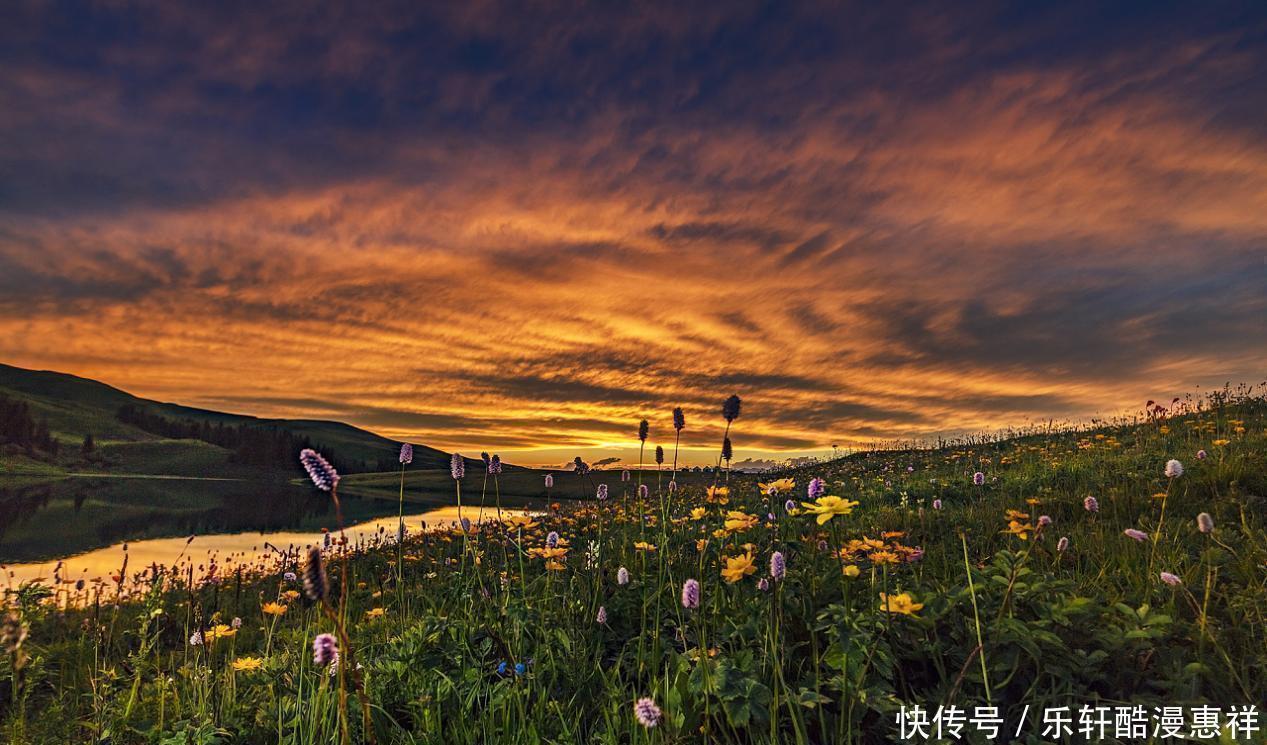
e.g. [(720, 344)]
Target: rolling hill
[(74, 407)]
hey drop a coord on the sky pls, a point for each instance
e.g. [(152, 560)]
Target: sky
[(523, 227)]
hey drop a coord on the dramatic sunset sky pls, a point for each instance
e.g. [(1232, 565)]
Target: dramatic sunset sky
[(522, 228)]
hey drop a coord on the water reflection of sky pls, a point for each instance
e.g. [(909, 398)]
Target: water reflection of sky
[(226, 551)]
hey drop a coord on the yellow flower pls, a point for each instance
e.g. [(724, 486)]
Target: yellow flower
[(247, 664), (375, 613), (902, 603), (644, 546), (1019, 529), (777, 487), (720, 533), (883, 557), (1015, 515), (828, 507), (698, 513), (548, 553), (701, 544), (718, 494), (1221, 443), (519, 522), (219, 631), (290, 596), (555, 566), (737, 521), (738, 567), (1032, 501), (274, 609), (849, 570)]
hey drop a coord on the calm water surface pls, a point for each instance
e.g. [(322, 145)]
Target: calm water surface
[(85, 523), (103, 563)]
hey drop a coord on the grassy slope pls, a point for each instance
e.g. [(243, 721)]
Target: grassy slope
[(76, 406), (1093, 625)]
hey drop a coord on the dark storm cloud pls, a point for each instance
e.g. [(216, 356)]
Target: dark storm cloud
[(168, 104)]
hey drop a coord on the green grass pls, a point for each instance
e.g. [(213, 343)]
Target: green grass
[(1003, 620)]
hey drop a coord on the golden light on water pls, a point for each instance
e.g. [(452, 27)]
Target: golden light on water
[(224, 551)]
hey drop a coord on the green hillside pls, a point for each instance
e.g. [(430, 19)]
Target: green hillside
[(74, 407)]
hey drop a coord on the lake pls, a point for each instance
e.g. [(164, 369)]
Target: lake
[(85, 522)]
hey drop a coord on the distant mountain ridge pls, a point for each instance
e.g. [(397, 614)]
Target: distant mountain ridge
[(75, 407)]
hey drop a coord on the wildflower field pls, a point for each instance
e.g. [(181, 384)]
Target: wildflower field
[(1123, 565)]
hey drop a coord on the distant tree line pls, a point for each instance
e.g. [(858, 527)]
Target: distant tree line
[(254, 445), (18, 427)]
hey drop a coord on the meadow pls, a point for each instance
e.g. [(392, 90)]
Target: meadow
[(1123, 564)]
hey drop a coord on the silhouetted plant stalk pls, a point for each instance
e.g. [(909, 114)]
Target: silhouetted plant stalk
[(659, 464), (679, 421), (727, 452), (316, 584), (457, 469), (406, 457), (484, 456), (495, 468), (730, 411), (582, 472), (643, 430)]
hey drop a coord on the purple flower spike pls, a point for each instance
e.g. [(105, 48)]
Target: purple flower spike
[(690, 594), (647, 713), (319, 469), (325, 649), (778, 566), (817, 488)]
